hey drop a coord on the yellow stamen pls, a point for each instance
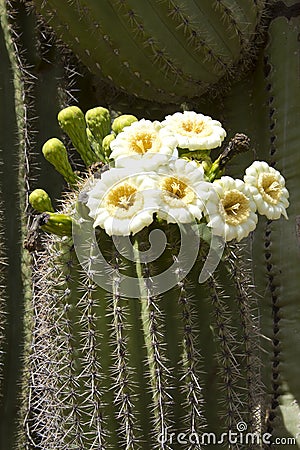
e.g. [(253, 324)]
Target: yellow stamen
[(122, 196), (235, 207), (269, 188), (192, 126), (177, 189), (142, 142)]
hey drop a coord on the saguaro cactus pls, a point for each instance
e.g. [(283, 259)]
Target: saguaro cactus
[(160, 50), (108, 372)]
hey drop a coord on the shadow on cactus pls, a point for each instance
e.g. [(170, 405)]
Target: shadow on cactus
[(137, 342)]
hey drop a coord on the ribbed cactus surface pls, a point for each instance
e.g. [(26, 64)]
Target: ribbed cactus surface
[(166, 51), (111, 372)]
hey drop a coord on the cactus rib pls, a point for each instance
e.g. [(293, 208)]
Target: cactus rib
[(158, 371), (250, 334), (228, 364), (122, 372)]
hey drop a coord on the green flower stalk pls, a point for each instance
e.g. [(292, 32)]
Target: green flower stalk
[(56, 223)]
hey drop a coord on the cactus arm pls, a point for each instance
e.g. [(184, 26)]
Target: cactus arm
[(145, 51), (160, 24), (282, 239), (120, 72)]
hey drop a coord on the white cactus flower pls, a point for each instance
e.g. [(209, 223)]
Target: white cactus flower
[(267, 187), (144, 145), (183, 192), (121, 202), (195, 131), (231, 209)]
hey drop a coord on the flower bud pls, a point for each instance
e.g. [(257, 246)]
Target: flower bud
[(98, 121), (72, 121), (40, 201), (55, 152), (123, 121), (106, 144)]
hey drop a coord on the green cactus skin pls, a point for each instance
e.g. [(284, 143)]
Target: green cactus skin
[(13, 184), (80, 396), (25, 94), (159, 50)]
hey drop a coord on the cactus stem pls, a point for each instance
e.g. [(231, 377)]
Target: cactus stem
[(159, 373)]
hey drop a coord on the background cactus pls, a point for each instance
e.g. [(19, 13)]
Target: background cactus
[(264, 106), (160, 50)]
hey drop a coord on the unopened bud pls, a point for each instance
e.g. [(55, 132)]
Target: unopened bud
[(40, 201)]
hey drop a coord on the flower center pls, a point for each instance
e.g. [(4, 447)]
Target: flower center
[(122, 196), (191, 127), (269, 188), (142, 142), (178, 189), (235, 207)]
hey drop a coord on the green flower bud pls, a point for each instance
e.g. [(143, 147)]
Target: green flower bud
[(40, 201), (123, 121), (56, 223), (106, 144), (98, 121), (72, 121), (55, 152)]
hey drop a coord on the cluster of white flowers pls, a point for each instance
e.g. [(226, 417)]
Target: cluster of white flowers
[(149, 179)]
